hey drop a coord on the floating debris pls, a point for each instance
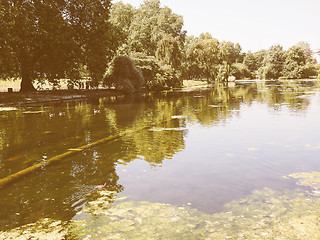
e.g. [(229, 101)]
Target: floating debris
[(8, 109), (167, 129), (33, 112), (13, 158), (76, 149), (314, 147), (253, 149), (178, 117), (216, 106)]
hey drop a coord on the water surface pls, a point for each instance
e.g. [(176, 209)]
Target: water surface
[(201, 148)]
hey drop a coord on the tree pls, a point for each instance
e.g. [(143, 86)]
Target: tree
[(149, 68), (230, 52), (310, 67), (295, 60), (168, 52), (223, 72), (151, 24), (201, 57), (121, 16), (152, 37), (240, 71), (253, 61), (54, 39), (273, 63), (124, 75), (306, 48)]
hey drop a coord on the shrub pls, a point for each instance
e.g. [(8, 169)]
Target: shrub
[(123, 75)]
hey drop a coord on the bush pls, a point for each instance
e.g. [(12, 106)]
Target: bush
[(240, 71), (123, 75), (172, 78)]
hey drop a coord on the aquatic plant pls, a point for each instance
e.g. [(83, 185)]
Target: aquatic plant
[(265, 214)]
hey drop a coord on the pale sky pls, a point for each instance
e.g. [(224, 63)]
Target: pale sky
[(255, 24)]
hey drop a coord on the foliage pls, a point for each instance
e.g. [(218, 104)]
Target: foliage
[(206, 57), (240, 71), (124, 75), (151, 24), (147, 65), (54, 39), (254, 61), (306, 49), (168, 52), (121, 16), (295, 63), (152, 37), (170, 76), (50, 40), (201, 57), (273, 63), (223, 73), (230, 52)]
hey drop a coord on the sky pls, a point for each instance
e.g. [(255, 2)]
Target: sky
[(254, 24)]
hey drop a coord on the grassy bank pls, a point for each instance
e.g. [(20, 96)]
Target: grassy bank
[(63, 94)]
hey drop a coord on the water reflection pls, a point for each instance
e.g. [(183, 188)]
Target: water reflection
[(211, 140)]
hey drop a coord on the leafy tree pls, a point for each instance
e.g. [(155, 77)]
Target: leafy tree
[(273, 63), (230, 52), (54, 39), (152, 37), (254, 61), (171, 78), (168, 52), (151, 24), (122, 15), (310, 69), (147, 65), (295, 59), (223, 72), (201, 57), (124, 75), (240, 71), (306, 48)]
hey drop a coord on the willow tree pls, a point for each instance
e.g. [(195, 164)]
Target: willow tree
[(201, 57), (124, 76), (54, 39)]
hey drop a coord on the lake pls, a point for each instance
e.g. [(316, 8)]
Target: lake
[(201, 148)]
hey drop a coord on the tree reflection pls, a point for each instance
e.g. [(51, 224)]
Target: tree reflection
[(39, 132)]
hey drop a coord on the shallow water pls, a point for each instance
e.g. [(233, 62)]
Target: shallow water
[(202, 149)]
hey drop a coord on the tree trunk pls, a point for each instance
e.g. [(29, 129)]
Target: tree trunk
[(26, 83)]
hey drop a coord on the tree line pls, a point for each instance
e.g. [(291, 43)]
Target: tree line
[(128, 48)]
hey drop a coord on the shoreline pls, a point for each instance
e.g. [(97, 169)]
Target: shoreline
[(47, 96)]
